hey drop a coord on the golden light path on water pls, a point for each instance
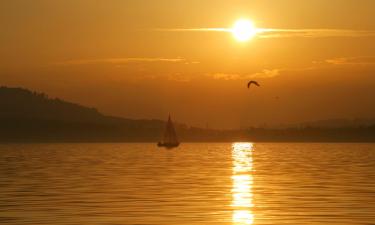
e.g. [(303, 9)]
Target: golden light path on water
[(242, 196)]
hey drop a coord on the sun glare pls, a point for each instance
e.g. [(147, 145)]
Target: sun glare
[(242, 194), (243, 30)]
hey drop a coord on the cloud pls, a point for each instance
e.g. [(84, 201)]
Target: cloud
[(226, 76), (193, 29), (179, 77), (313, 33), (359, 60), (120, 61), (266, 73), (284, 33)]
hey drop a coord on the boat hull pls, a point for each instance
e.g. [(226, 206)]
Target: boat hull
[(168, 145)]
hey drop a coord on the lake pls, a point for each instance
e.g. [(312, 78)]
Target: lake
[(212, 183)]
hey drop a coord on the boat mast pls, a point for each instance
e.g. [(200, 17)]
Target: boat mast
[(170, 133)]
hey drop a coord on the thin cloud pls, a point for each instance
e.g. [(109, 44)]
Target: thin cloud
[(266, 73), (360, 60), (313, 33), (193, 29), (178, 77), (227, 76), (119, 61), (284, 33)]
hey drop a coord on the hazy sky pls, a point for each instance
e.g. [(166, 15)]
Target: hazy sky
[(122, 57)]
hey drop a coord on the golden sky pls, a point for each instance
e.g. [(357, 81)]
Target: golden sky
[(146, 58)]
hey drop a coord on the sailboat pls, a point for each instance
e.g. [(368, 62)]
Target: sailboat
[(170, 137)]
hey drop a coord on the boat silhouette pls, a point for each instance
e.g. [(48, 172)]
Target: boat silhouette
[(170, 139)]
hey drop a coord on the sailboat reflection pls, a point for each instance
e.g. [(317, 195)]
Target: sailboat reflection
[(242, 196)]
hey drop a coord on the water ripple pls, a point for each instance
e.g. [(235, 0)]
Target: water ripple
[(223, 184)]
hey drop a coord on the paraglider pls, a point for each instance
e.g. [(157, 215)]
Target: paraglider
[(254, 83)]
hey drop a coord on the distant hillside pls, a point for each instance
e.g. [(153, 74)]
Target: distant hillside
[(27, 116), (22, 103), (338, 123)]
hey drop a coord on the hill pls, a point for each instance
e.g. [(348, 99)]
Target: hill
[(32, 116), (27, 116), (337, 123)]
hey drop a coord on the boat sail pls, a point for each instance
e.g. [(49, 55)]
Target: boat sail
[(170, 139)]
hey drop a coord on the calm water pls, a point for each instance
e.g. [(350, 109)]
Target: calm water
[(236, 184)]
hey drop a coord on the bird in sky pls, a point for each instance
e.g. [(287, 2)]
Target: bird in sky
[(254, 83)]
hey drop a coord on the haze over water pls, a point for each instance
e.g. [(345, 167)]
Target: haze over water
[(224, 183)]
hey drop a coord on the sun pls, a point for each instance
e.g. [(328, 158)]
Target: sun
[(243, 30)]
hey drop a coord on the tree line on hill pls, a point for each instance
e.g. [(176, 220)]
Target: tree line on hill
[(27, 116)]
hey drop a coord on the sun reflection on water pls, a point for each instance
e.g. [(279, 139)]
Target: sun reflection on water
[(242, 196)]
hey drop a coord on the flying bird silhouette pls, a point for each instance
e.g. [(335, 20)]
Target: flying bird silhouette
[(254, 83)]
